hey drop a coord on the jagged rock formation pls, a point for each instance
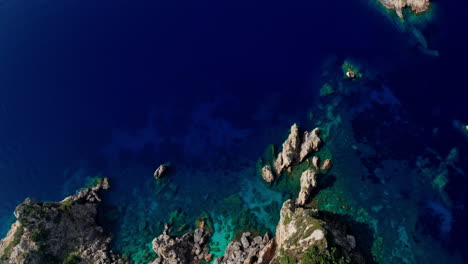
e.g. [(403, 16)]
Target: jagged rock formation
[(160, 171), (310, 142), (189, 248), (290, 149), (267, 174), (296, 149), (256, 250), (308, 182), (417, 6), (59, 232)]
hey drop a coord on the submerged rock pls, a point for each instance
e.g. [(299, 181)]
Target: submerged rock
[(308, 182), (267, 174), (189, 248), (417, 6), (55, 232), (258, 250), (160, 171)]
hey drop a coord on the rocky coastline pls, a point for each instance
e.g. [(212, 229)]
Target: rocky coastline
[(59, 232), (67, 231)]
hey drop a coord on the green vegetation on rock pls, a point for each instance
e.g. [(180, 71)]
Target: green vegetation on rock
[(316, 256), (73, 258)]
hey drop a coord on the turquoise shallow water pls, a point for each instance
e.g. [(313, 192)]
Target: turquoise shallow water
[(138, 84)]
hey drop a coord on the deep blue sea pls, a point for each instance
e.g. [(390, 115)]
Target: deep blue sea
[(115, 88)]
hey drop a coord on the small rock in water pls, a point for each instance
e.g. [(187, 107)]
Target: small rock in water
[(105, 184), (160, 171), (326, 165), (315, 162), (350, 74), (308, 182), (267, 174)]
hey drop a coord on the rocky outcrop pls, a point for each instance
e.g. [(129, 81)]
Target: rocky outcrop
[(267, 174), (315, 162), (417, 6), (310, 143), (326, 165), (290, 150), (55, 232), (308, 183), (160, 171), (189, 248), (257, 250), (303, 234), (296, 149)]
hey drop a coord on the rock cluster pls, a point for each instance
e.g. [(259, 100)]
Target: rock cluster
[(52, 232), (257, 250), (189, 248), (417, 6), (296, 148)]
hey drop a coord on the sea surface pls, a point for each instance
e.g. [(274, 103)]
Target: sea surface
[(116, 88)]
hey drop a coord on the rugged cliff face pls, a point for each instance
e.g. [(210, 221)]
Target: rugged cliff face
[(59, 232)]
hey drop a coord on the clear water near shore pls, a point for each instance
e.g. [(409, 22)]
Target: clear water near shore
[(212, 98)]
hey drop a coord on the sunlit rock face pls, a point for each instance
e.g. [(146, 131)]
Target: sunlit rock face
[(417, 6), (296, 148), (290, 150), (308, 182)]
